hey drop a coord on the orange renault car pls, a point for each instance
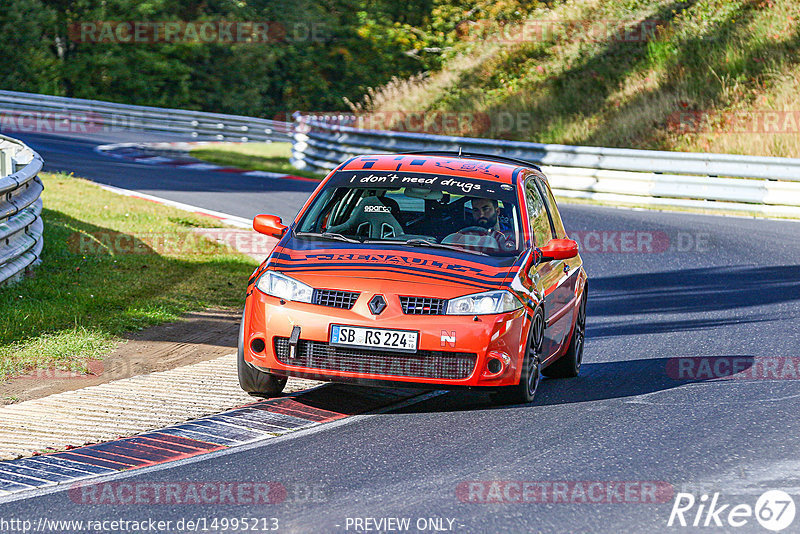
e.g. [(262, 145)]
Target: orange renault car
[(436, 269)]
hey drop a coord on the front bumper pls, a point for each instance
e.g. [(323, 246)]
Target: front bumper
[(453, 351)]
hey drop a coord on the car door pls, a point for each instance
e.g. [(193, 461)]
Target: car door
[(562, 296), (548, 275)]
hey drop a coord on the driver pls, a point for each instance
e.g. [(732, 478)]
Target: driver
[(488, 230), (485, 213)]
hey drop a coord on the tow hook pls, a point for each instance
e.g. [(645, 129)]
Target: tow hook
[(293, 339)]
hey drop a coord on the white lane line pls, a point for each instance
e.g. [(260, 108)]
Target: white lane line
[(201, 166), (265, 174), (233, 220), (153, 160), (114, 146), (58, 465)]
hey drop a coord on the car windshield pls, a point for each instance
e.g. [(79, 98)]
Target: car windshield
[(417, 210)]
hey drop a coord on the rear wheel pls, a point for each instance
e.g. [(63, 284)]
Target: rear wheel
[(525, 391), (569, 365), (253, 381)]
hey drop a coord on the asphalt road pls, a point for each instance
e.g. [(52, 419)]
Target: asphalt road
[(231, 193), (714, 287)]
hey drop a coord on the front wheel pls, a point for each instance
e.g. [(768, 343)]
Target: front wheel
[(253, 381), (524, 392)]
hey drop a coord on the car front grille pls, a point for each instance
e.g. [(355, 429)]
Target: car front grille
[(423, 305), (422, 364), (334, 298)]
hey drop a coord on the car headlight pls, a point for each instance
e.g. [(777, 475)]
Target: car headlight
[(483, 303), (284, 287)]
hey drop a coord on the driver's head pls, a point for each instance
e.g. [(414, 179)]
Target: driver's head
[(484, 212)]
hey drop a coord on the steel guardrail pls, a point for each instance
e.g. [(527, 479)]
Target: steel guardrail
[(718, 182), (21, 227), (44, 113)]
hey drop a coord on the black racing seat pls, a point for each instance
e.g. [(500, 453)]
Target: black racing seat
[(369, 220)]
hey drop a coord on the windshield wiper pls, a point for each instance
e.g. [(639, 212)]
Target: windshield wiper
[(330, 235), (417, 242)]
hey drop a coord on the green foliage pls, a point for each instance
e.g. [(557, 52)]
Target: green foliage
[(23, 44), (325, 52)]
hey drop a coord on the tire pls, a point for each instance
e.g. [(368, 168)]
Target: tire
[(524, 392), (569, 365), (253, 381)]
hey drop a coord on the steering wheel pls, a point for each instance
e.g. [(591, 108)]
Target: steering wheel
[(479, 229), (504, 242)]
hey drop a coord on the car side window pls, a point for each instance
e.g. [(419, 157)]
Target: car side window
[(539, 221), (555, 216)]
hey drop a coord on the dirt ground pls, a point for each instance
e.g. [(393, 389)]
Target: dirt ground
[(197, 337)]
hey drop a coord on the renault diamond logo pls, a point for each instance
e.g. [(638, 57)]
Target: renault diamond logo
[(377, 304)]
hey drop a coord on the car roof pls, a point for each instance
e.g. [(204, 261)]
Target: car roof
[(467, 165)]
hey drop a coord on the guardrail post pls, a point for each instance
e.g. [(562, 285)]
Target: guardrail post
[(6, 164)]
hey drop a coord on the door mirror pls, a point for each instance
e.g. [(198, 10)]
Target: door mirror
[(269, 225), (559, 249)]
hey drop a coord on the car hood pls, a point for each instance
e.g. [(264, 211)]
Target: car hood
[(338, 265)]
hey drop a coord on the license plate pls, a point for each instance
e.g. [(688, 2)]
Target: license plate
[(376, 338)]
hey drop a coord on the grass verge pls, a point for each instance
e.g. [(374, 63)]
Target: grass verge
[(672, 209), (271, 157), (111, 264)]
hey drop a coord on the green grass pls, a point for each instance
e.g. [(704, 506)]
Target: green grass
[(272, 157), (89, 289), (682, 209), (714, 57)]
